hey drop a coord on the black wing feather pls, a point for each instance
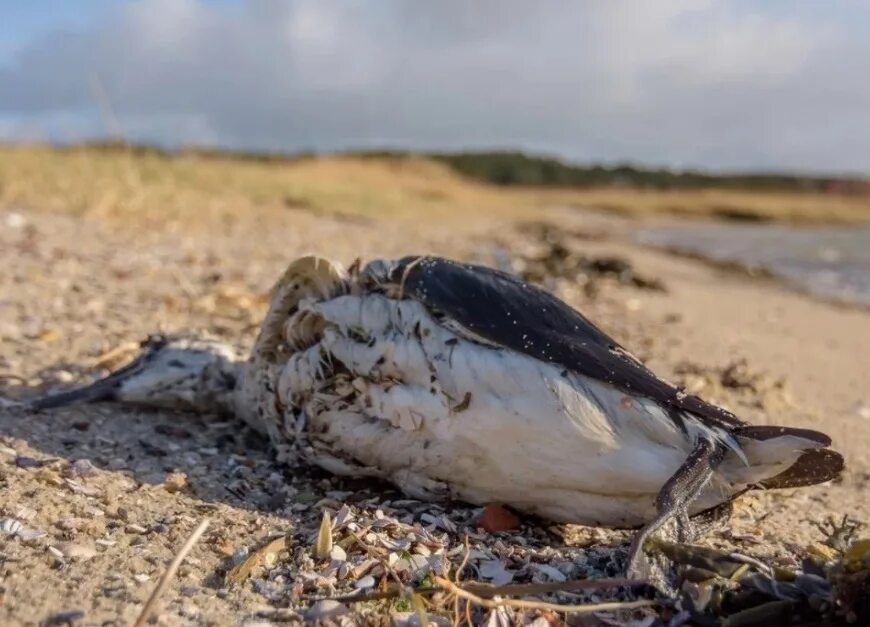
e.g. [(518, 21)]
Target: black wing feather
[(508, 312)]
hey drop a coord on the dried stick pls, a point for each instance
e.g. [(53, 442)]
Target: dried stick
[(488, 591), (449, 586), (482, 593), (151, 604)]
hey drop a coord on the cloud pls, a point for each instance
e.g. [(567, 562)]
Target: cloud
[(675, 82)]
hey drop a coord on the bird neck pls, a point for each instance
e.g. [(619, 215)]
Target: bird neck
[(217, 391)]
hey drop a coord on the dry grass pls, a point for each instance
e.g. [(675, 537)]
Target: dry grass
[(152, 188), (147, 188), (798, 208)]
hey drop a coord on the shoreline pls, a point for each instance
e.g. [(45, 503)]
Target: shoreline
[(758, 273)]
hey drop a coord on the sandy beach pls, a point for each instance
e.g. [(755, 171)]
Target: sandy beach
[(76, 287)]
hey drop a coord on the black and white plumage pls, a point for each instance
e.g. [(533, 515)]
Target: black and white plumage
[(458, 381)]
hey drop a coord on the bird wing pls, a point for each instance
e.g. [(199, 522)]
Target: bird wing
[(501, 310), (508, 312)]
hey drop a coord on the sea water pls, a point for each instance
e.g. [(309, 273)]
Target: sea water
[(830, 262)]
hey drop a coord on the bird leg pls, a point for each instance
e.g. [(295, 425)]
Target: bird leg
[(672, 504)]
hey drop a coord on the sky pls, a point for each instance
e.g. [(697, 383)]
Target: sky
[(739, 85)]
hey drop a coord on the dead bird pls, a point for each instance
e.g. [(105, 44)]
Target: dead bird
[(457, 381)]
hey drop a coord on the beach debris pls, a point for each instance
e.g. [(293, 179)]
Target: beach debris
[(175, 482), (67, 617), (326, 609), (751, 386), (169, 574), (323, 547), (497, 518), (22, 461), (495, 571), (742, 590), (265, 555), (80, 468), (10, 526), (552, 256), (70, 550), (14, 528), (382, 549)]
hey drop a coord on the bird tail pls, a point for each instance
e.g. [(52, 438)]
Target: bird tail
[(782, 457)]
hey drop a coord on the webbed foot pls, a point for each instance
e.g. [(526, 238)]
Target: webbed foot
[(672, 523)]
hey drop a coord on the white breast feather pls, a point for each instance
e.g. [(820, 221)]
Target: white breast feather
[(441, 415)]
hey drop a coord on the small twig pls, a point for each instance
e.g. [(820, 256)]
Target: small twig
[(751, 561), (482, 594), (243, 569), (458, 579), (488, 591), (372, 553), (151, 604), (110, 357), (392, 592), (449, 586), (464, 560)]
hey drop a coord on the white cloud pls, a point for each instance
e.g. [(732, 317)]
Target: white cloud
[(710, 83)]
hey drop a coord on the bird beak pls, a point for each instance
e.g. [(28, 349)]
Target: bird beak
[(105, 389)]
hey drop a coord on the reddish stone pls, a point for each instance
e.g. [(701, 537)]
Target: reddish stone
[(496, 518)]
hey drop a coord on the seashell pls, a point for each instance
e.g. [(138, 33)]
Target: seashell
[(71, 550), (10, 526), (365, 583), (29, 535)]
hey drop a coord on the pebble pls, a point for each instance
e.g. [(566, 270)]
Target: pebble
[(27, 462), (134, 528), (80, 468), (117, 512), (409, 619), (15, 220), (64, 376), (116, 463), (68, 617), (75, 551), (365, 583), (29, 535), (175, 482), (325, 609), (552, 573)]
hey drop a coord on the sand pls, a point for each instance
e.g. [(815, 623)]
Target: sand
[(75, 287)]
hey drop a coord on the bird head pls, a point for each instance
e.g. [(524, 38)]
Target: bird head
[(186, 373)]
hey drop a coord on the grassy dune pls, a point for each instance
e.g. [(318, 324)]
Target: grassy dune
[(151, 188)]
